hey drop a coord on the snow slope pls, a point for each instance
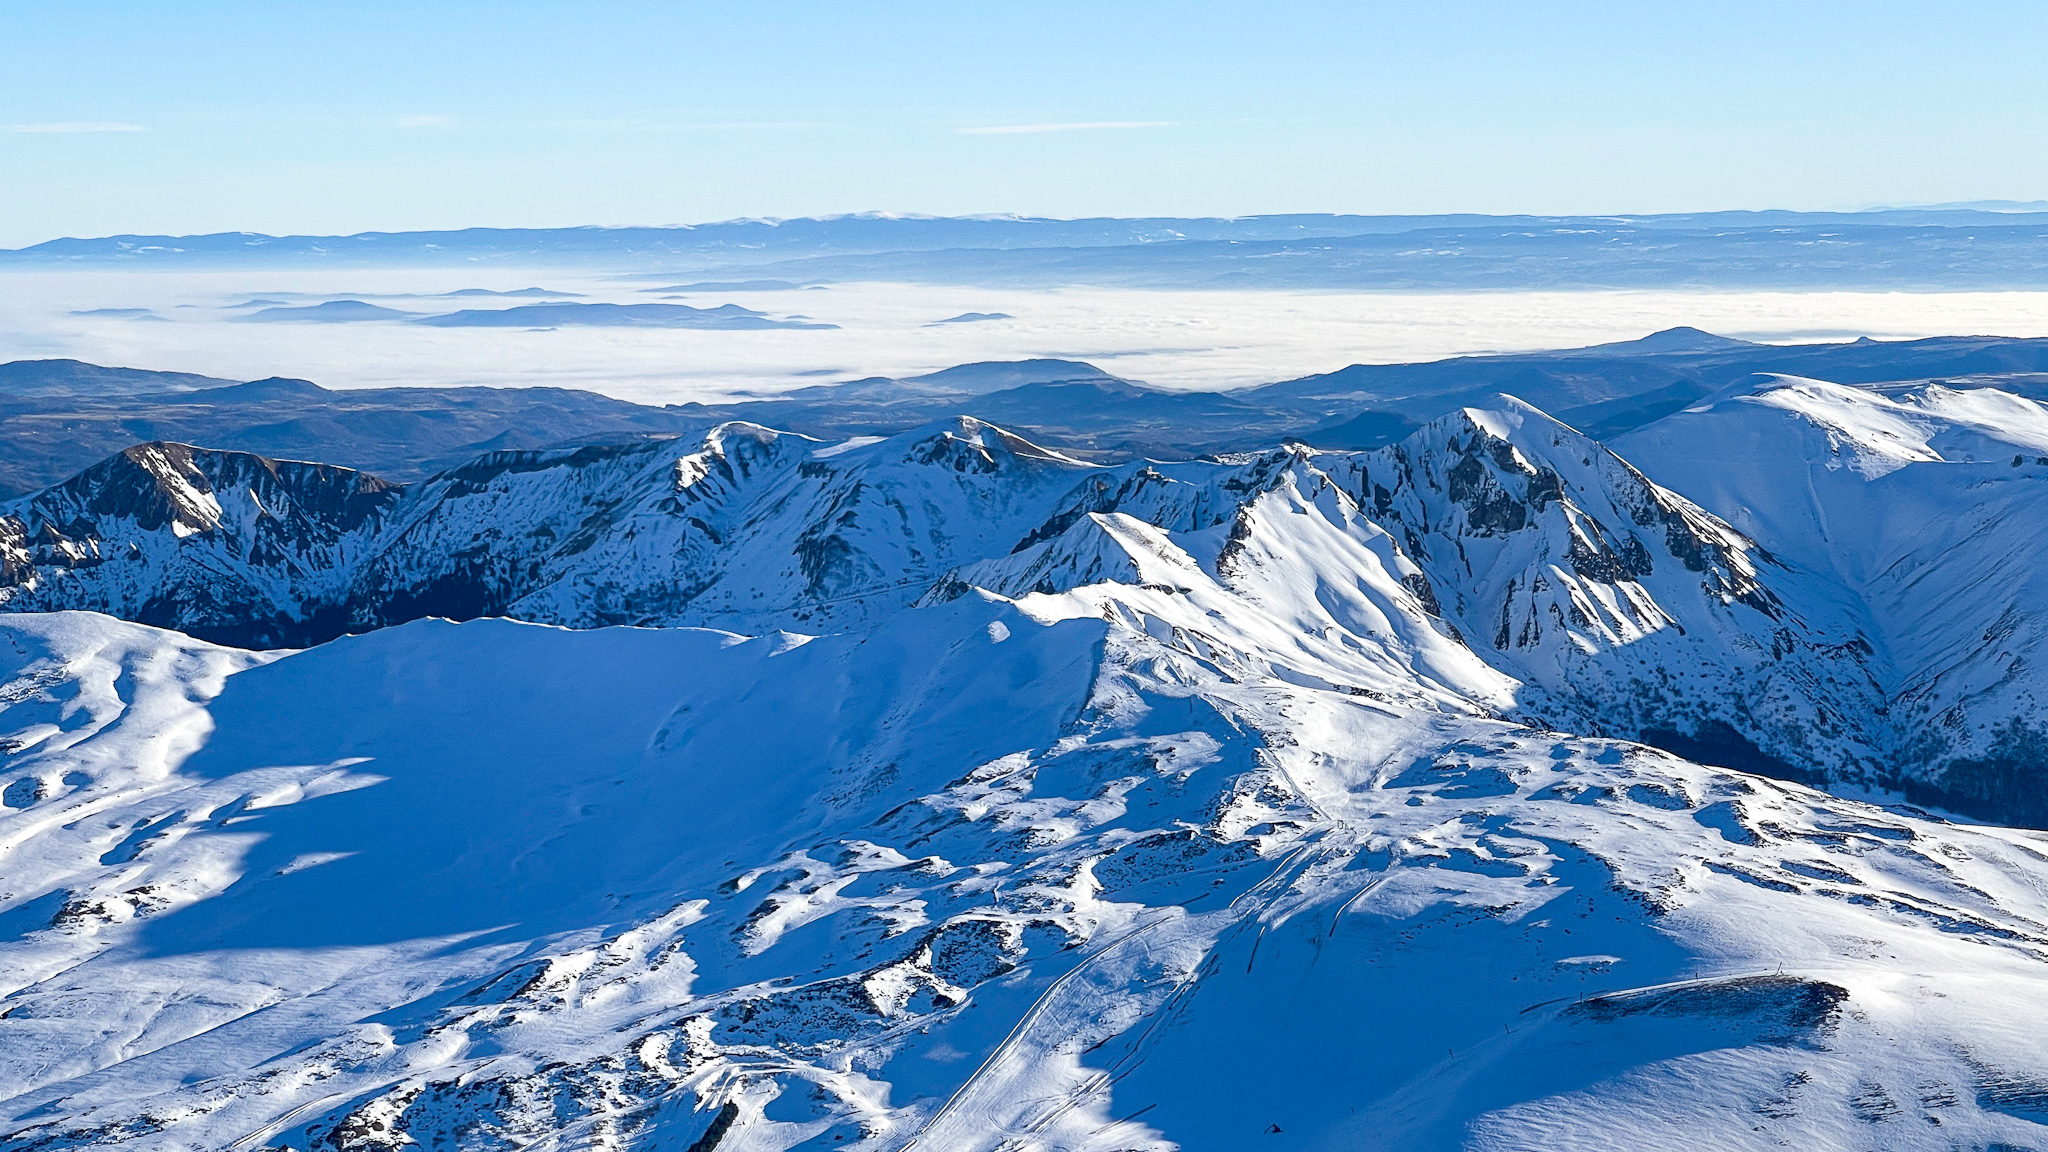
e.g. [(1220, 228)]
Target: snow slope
[(1923, 507), (993, 874)]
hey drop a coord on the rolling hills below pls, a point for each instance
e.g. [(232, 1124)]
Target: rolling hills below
[(58, 417)]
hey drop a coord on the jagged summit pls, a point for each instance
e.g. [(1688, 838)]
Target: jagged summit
[(165, 484), (649, 531)]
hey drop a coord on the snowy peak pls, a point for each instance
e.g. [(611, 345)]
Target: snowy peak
[(223, 543), (1868, 430), (752, 526), (733, 452), (1184, 497), (158, 485), (1494, 540), (745, 525), (1507, 491), (966, 444), (1096, 548), (1997, 416), (1621, 606)]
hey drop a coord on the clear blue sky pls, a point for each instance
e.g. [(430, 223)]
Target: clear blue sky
[(329, 117)]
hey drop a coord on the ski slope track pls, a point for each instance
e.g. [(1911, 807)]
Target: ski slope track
[(946, 792)]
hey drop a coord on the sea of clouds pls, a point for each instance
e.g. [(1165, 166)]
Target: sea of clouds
[(1202, 339)]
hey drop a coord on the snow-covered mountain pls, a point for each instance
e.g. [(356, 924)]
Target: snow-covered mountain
[(1511, 561), (749, 526), (216, 543), (992, 874), (967, 795), (752, 528), (1607, 603), (1923, 509)]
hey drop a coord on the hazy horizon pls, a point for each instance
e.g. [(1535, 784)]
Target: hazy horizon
[(2002, 207), (229, 117)]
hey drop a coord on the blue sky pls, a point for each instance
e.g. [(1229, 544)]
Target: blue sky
[(319, 117)]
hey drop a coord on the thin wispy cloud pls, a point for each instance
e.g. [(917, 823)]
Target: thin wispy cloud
[(76, 126), (1087, 126), (423, 121), (646, 124)]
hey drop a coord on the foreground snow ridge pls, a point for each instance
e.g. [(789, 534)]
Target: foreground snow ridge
[(640, 885), (1207, 806)]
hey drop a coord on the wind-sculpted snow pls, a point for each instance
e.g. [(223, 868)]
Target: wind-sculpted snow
[(1059, 872)]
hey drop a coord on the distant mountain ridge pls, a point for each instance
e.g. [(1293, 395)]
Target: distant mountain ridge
[(1931, 249), (66, 378), (1608, 389), (892, 231), (57, 417), (725, 317)]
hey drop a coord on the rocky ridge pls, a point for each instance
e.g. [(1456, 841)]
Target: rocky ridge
[(1524, 568)]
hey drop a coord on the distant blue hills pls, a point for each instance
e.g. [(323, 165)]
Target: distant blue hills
[(1931, 249), (59, 416)]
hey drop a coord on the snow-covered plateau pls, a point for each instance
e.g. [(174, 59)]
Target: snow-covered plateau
[(1488, 790)]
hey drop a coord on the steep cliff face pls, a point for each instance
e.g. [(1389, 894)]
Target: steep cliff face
[(1633, 610), (227, 545)]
